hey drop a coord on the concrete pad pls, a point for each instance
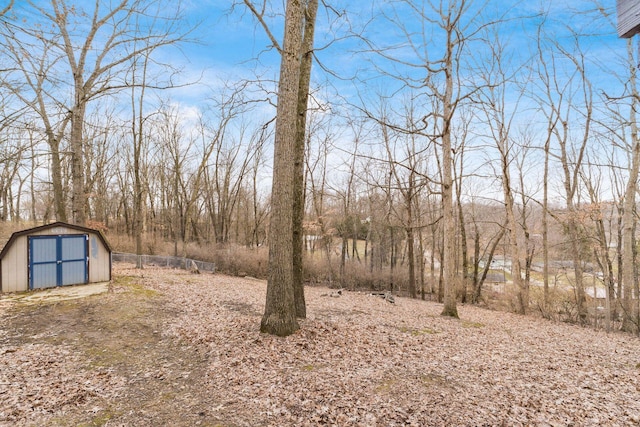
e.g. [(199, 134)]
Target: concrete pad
[(56, 294)]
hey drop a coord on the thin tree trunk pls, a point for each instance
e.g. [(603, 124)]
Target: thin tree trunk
[(449, 227), (137, 129), (79, 197), (545, 228), (628, 220), (56, 178)]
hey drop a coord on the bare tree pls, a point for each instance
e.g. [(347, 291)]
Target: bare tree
[(138, 145), (566, 100), (621, 130), (231, 160), (628, 219), (601, 214), (14, 152), (431, 63), (317, 173), (94, 45), (258, 207), (496, 83), (407, 153), (101, 128), (305, 52), (35, 92), (7, 8), (346, 193)]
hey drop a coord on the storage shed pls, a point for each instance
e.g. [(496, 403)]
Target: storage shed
[(56, 254)]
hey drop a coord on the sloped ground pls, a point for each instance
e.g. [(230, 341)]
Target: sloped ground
[(166, 347)]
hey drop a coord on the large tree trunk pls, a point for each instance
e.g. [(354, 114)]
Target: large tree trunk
[(280, 310), (298, 183)]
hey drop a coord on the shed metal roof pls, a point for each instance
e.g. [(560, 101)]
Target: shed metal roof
[(29, 231)]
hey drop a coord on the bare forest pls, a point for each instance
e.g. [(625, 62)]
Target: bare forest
[(455, 151)]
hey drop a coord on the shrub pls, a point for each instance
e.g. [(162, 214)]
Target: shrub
[(238, 260)]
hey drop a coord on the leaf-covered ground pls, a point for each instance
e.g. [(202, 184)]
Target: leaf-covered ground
[(167, 347)]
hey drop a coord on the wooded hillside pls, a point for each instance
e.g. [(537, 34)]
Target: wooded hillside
[(438, 136)]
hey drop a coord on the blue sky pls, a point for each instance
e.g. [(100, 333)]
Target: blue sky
[(232, 45), (231, 42), (229, 46)]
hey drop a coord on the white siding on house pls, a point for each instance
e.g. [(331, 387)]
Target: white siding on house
[(628, 18)]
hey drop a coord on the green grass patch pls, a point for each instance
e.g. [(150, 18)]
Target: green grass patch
[(103, 418), (417, 332), (385, 386), (131, 284), (432, 379), (468, 324)]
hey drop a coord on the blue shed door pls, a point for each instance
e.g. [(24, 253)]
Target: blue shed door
[(57, 261)]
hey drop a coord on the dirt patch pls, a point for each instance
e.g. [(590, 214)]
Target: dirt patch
[(117, 336)]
